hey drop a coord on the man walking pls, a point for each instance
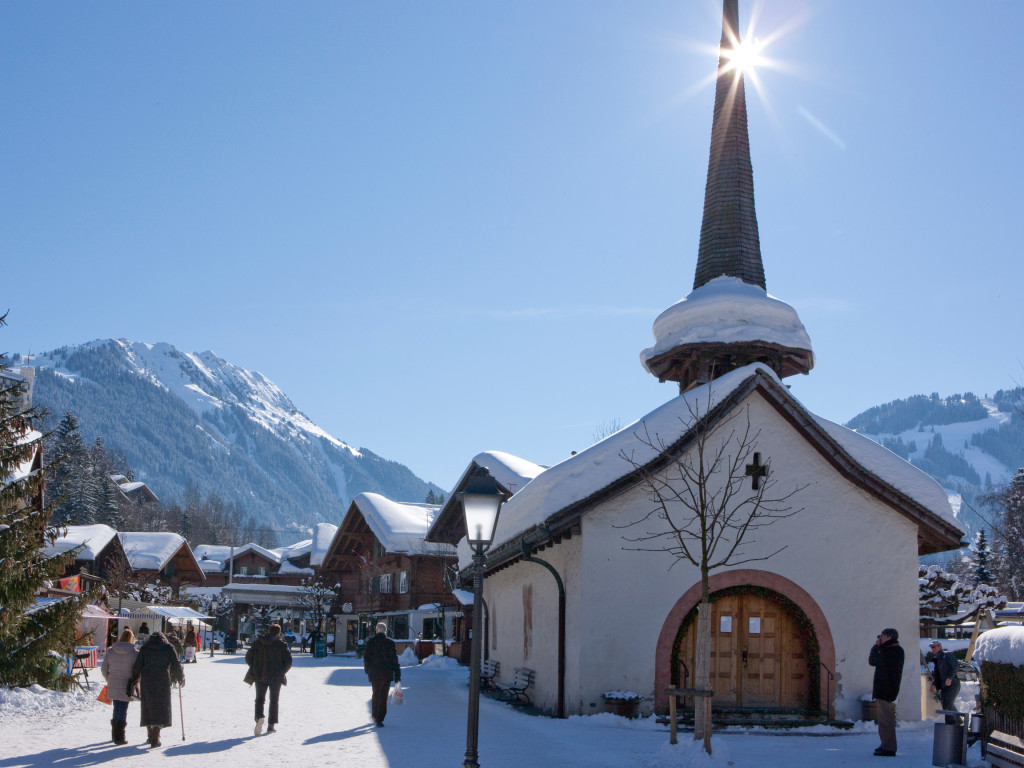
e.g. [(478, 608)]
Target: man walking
[(944, 679), (887, 658), (380, 660), (269, 660)]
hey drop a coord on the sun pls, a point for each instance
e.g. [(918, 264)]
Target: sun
[(745, 57)]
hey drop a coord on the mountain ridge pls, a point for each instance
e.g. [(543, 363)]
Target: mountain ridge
[(180, 418)]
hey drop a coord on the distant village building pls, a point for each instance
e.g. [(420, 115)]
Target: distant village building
[(792, 626), (388, 572), (163, 558)]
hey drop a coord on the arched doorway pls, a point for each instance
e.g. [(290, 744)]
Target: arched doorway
[(764, 651)]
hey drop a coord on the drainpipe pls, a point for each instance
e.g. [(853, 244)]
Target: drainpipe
[(527, 557)]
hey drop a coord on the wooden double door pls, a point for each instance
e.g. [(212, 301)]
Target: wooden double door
[(759, 656)]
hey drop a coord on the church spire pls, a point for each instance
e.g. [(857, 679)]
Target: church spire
[(728, 320), (729, 241)]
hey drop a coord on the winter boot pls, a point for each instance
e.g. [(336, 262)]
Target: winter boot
[(117, 732), (154, 736)]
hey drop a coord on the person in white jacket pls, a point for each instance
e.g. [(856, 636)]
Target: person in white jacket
[(117, 670)]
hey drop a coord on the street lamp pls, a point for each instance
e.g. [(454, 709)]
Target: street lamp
[(481, 502), (213, 623)]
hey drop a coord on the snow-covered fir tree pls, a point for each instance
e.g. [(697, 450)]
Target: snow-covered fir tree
[(34, 634), (981, 560), (1008, 536)]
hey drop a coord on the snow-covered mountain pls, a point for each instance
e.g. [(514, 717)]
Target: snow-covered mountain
[(968, 443), (182, 418)]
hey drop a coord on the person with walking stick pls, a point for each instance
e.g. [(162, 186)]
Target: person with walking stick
[(155, 668)]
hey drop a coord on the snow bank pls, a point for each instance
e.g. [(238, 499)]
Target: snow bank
[(1004, 645)]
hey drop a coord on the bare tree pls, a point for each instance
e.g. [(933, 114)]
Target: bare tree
[(707, 504), (316, 598)]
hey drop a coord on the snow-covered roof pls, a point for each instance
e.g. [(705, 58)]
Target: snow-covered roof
[(399, 526), (323, 535), (588, 472), (1002, 645), (24, 468), (92, 539), (150, 550), (298, 549), (511, 472), (727, 310), (288, 569), (897, 472)]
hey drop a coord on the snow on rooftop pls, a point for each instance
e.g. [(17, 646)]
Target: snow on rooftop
[(23, 469), (1003, 645), (511, 472), (93, 538), (151, 550), (897, 472), (323, 535), (399, 526), (727, 310), (580, 476)]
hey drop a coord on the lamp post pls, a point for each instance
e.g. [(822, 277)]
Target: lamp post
[(213, 623), (481, 502)]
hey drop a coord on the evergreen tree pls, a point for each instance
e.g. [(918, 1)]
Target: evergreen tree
[(73, 493), (1008, 537), (981, 560), (34, 635)]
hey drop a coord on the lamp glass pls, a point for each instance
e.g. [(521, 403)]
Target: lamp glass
[(481, 511)]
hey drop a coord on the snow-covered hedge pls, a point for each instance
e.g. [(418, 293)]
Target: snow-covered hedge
[(1004, 645)]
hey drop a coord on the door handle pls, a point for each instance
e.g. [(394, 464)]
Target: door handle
[(744, 657)]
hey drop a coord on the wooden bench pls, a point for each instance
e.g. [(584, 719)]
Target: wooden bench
[(516, 690), (488, 671)]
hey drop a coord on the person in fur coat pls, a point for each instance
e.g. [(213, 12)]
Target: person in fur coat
[(155, 668), (117, 671)]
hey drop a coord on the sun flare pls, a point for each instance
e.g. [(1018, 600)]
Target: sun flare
[(745, 57)]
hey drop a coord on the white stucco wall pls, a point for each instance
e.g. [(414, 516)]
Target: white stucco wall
[(856, 557)]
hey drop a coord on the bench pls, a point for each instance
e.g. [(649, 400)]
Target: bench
[(516, 690), (488, 671)]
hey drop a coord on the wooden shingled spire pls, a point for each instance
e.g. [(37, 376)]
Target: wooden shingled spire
[(729, 241)]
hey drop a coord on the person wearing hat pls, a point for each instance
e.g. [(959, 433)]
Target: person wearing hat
[(380, 660), (887, 658), (944, 679)]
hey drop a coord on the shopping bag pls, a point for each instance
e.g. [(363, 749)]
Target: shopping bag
[(103, 696), (249, 678), (397, 696)]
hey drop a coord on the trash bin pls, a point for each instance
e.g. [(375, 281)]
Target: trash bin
[(320, 649), (948, 745)]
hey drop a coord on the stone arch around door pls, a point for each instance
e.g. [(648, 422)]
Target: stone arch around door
[(765, 580)]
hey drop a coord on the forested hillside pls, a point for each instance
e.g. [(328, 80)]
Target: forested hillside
[(180, 420)]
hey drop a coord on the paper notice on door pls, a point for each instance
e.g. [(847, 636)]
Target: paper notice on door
[(726, 625), (754, 626)]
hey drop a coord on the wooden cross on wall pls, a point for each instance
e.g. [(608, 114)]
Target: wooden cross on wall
[(756, 471)]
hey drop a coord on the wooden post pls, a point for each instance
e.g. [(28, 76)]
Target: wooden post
[(673, 719)]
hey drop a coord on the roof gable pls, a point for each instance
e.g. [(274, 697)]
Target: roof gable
[(556, 498)]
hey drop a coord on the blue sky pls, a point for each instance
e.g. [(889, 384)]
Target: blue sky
[(448, 227)]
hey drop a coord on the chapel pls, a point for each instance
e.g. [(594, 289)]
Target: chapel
[(797, 608)]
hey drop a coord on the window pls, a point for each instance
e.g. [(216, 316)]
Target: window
[(387, 583), (403, 582), (243, 570), (261, 571)]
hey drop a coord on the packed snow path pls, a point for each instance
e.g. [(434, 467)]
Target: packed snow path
[(325, 720)]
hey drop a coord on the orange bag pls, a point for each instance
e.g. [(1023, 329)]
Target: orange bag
[(103, 696)]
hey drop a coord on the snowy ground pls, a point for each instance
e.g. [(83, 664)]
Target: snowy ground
[(325, 720)]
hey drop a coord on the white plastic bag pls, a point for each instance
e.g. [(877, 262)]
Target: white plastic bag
[(397, 696)]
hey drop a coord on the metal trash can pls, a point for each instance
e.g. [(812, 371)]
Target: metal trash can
[(948, 745), (320, 649)]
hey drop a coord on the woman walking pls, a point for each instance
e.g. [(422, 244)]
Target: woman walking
[(155, 668), (191, 644), (117, 671)]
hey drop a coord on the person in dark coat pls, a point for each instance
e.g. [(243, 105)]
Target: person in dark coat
[(155, 668), (118, 664), (887, 658), (380, 660), (191, 644), (269, 661), (944, 679), (143, 634)]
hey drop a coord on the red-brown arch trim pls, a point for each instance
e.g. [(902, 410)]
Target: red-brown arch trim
[(724, 580)]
